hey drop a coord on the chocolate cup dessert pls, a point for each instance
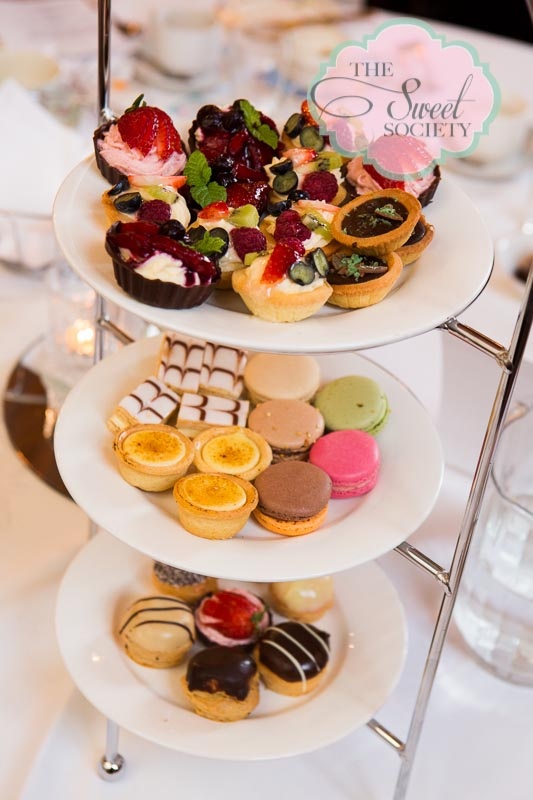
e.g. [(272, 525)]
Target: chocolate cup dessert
[(154, 292), (111, 174), (417, 242)]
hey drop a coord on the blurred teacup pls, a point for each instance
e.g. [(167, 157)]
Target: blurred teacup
[(508, 133), (185, 41), (30, 68)]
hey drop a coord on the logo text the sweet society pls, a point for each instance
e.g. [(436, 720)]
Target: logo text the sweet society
[(404, 81)]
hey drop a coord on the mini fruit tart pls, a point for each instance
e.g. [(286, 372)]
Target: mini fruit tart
[(420, 238), (151, 198), (238, 230), (232, 450), (143, 141), (153, 457), (304, 173), (158, 270), (212, 505), (360, 280), (286, 285), (377, 223)]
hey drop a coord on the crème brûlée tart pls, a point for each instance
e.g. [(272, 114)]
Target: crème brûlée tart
[(232, 450), (153, 457), (213, 505), (377, 223)]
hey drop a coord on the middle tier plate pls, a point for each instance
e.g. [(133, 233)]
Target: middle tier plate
[(356, 530)]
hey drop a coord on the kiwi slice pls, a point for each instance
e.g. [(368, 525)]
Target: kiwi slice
[(311, 137), (302, 272), (246, 216), (160, 193), (328, 161), (283, 184), (319, 261), (294, 125)]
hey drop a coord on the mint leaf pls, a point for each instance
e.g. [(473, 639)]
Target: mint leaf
[(208, 244), (266, 135), (212, 193), (197, 169), (252, 117), (198, 173), (259, 130)]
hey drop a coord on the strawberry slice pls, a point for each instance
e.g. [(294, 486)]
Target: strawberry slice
[(254, 193), (218, 210), (281, 260), (232, 614), (167, 140), (176, 181), (385, 183)]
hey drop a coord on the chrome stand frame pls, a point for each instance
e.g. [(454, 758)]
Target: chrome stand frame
[(449, 580)]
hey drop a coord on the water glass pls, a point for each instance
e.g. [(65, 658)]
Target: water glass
[(494, 610)]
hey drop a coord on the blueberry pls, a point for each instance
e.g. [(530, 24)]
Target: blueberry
[(122, 186), (173, 228), (233, 120), (276, 208), (298, 194), (210, 117), (128, 203), (194, 234)]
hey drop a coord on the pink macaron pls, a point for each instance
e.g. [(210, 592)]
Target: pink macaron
[(351, 459)]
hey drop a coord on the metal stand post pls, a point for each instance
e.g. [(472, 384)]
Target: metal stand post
[(111, 763)]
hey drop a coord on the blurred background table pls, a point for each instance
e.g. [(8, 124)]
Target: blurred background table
[(476, 732)]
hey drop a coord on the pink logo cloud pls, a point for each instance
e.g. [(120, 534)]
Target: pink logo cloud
[(404, 98)]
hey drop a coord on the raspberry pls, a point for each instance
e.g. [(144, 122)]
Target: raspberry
[(320, 185), (247, 240), (290, 226), (154, 211)]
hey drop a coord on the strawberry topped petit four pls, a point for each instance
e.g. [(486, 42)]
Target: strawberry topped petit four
[(143, 141)]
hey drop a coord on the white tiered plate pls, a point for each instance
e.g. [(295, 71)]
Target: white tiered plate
[(368, 638), (441, 284), (355, 531)]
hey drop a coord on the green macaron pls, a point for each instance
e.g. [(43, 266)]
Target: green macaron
[(353, 402)]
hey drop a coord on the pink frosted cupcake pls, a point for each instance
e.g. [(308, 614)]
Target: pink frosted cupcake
[(351, 459)]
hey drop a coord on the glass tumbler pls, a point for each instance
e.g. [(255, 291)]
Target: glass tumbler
[(494, 610)]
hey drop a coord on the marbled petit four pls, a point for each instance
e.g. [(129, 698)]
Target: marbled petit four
[(150, 402), (200, 411)]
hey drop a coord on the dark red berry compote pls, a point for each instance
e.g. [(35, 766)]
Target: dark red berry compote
[(152, 265)]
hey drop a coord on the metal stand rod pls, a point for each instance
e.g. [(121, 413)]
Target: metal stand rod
[(418, 558), (99, 331), (111, 763), (478, 340), (386, 735), (105, 324), (484, 465), (104, 60)]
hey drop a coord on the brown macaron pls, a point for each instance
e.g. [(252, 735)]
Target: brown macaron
[(293, 497), (289, 426)]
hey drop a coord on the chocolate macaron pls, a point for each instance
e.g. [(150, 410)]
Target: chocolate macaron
[(293, 497), (289, 426)]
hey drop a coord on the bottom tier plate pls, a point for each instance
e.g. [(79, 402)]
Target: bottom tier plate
[(368, 637)]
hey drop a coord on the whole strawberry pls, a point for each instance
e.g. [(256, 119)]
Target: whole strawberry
[(232, 617), (145, 127)]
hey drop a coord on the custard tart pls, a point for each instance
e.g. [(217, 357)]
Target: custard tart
[(153, 457), (212, 505), (232, 450)]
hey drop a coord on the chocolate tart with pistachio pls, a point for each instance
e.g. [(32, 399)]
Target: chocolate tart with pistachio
[(417, 242), (359, 280), (377, 223)]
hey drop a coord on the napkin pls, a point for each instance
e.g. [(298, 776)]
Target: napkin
[(38, 152)]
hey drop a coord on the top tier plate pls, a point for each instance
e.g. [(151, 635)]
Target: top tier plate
[(440, 285)]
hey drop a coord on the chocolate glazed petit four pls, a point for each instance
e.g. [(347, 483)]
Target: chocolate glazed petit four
[(292, 657), (222, 683)]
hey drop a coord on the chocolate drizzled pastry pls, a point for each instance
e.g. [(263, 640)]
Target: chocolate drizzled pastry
[(294, 651), (221, 669)]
